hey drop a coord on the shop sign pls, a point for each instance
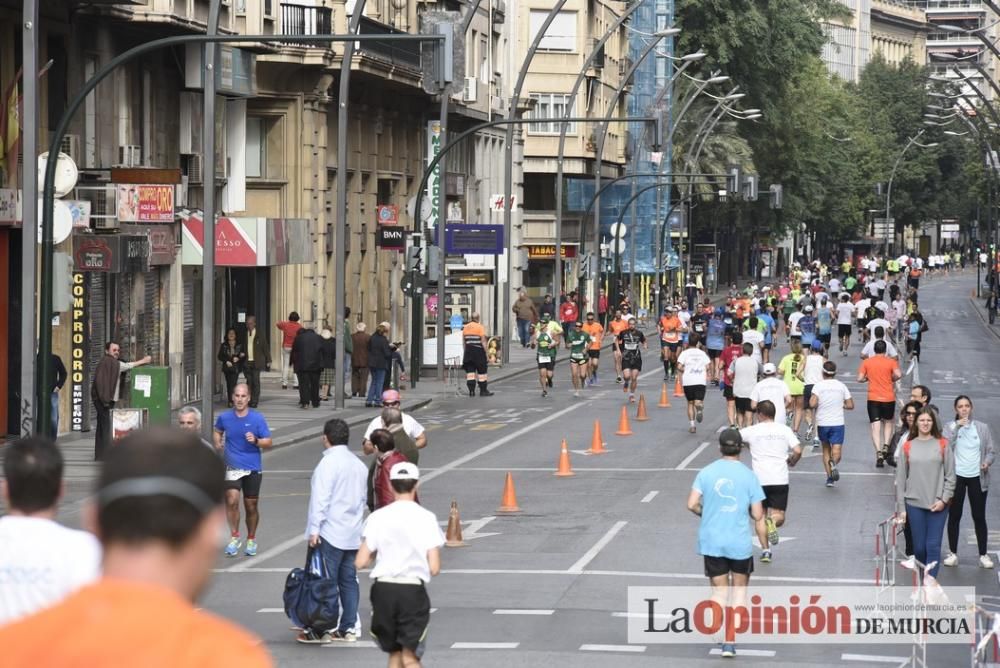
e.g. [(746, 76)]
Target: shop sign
[(145, 203), (93, 254), (387, 214), (80, 211), (112, 253), (391, 237), (434, 193), (8, 205), (471, 277), (248, 242), (162, 242), (78, 353), (462, 239), (548, 252)]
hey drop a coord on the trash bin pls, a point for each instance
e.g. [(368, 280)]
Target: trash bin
[(150, 389)]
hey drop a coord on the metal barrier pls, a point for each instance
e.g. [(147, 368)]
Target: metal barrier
[(986, 641), (454, 378)]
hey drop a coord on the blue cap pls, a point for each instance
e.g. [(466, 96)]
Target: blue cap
[(817, 344)]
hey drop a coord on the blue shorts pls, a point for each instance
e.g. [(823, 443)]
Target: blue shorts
[(831, 435)]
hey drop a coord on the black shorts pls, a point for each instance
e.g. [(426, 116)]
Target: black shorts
[(594, 354), (716, 566), (881, 410), (743, 404), (862, 324), (579, 361), (727, 392), (714, 354), (633, 362), (775, 496), (825, 338), (248, 484), (807, 393), (843, 330), (694, 392), (474, 360), (400, 616), (548, 366)]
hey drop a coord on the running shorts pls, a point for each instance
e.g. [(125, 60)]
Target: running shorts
[(831, 435), (400, 615), (843, 330), (727, 392), (694, 392), (776, 496), (881, 410), (633, 362), (716, 566), (248, 484), (594, 354), (743, 404), (807, 393), (580, 361), (714, 354)]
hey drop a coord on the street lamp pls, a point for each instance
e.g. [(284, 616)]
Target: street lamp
[(888, 193)]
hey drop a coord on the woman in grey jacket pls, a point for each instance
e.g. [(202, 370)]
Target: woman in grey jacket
[(925, 483), (970, 444)]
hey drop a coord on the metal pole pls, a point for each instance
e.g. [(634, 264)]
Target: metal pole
[(892, 176), (339, 232), (208, 247), (442, 216), (29, 224), (508, 174)]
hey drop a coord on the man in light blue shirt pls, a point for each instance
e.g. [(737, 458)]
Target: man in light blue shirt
[(337, 501)]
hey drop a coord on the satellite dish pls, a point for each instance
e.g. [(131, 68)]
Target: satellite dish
[(62, 222), (425, 209), (617, 246), (618, 230)]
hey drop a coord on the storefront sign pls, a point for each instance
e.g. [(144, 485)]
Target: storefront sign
[(80, 212), (8, 205), (434, 180), (471, 277), (145, 203), (112, 253), (93, 253), (461, 239), (387, 214), (549, 252), (248, 242), (162, 242), (78, 352), (391, 237)]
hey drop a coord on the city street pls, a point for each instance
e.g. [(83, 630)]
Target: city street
[(548, 585)]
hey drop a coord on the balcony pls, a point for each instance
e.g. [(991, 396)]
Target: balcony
[(305, 20), (398, 54)]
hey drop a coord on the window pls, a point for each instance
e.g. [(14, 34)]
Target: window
[(561, 33), (256, 154), (550, 105), (484, 56)]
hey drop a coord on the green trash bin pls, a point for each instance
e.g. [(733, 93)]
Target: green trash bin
[(149, 388)]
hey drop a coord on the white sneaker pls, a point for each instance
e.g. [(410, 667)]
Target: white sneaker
[(951, 559), (985, 561), (909, 562)]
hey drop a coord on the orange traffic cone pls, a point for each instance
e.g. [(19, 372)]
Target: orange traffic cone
[(597, 441), (664, 399), (508, 504), (640, 413), (564, 469), (623, 427), (453, 535), (678, 390)]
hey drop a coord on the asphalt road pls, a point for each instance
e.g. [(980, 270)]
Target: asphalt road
[(548, 586)]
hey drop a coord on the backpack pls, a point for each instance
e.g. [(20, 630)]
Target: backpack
[(906, 449)]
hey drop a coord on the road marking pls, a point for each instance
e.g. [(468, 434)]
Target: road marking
[(722, 428), (649, 497), (472, 531), (613, 648), (690, 458), (745, 652), (598, 546), (358, 644), (497, 443), (244, 565), (485, 645), (271, 610), (875, 658), (524, 612)]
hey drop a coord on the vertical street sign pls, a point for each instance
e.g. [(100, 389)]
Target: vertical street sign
[(434, 182)]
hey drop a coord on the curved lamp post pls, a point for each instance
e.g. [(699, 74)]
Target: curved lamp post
[(888, 193)]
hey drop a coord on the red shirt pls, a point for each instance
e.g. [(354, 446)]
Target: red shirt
[(568, 312), (288, 331), (729, 353), (382, 486)]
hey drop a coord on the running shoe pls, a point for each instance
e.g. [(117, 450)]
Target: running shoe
[(765, 557), (728, 650), (834, 473), (699, 413), (772, 531), (879, 462), (311, 637), (829, 481), (618, 380), (576, 393), (985, 561), (233, 548), (545, 393), (251, 550), (343, 636), (692, 430), (909, 562), (951, 559), (631, 398), (550, 382)]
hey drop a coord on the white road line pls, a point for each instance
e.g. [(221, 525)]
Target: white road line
[(358, 644), (271, 610), (649, 497), (875, 658), (485, 645), (745, 652), (690, 458), (598, 546), (245, 563), (613, 648), (524, 612)]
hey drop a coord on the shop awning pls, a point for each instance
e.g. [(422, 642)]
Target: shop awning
[(247, 242)]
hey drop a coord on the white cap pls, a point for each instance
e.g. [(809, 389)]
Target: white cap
[(404, 471), (808, 308), (769, 370), (882, 306)]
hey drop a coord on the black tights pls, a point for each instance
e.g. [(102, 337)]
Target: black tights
[(977, 502)]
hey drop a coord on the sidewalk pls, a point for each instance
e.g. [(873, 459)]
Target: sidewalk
[(979, 303)]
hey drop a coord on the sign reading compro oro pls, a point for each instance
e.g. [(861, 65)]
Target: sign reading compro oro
[(145, 203), (547, 252)]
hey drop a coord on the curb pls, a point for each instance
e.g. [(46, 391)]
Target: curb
[(979, 312)]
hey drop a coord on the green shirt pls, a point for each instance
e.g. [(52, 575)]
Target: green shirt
[(578, 342), (850, 282), (546, 346), (788, 306)]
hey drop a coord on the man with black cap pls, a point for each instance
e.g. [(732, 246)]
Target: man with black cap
[(726, 495)]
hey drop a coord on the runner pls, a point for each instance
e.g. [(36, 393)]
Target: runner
[(596, 331), (670, 327), (241, 433), (729, 355), (770, 329), (693, 364), (845, 313), (715, 342), (579, 362), (824, 323), (792, 369), (787, 309), (807, 326), (829, 399), (773, 448), (794, 334), (628, 342), (880, 372), (616, 327), (773, 389), (726, 495), (547, 345), (879, 335), (812, 375), (743, 372), (754, 336), (568, 314), (861, 313), (474, 358)]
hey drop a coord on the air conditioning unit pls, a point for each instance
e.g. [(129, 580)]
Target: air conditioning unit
[(471, 90), (105, 224), (195, 170), (70, 145), (129, 155)]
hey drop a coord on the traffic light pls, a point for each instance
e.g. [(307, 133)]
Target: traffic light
[(415, 254), (433, 263)]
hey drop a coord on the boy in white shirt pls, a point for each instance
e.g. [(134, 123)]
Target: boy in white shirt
[(405, 540)]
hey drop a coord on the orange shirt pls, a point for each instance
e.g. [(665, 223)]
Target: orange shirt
[(471, 333), (671, 328), (618, 326), (123, 623), (878, 369), (596, 332)]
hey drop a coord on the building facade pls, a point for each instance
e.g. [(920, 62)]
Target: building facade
[(893, 28)]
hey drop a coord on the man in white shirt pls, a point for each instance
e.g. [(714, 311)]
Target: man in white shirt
[(834, 286), (755, 337), (41, 562), (845, 315), (742, 377), (406, 541), (773, 389), (829, 399), (878, 334), (773, 448), (337, 499), (793, 322), (693, 363), (412, 428), (879, 320)]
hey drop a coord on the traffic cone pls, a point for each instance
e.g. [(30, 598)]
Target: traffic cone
[(564, 469), (623, 427), (664, 399), (453, 536), (597, 441), (678, 390), (640, 413), (508, 504)]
